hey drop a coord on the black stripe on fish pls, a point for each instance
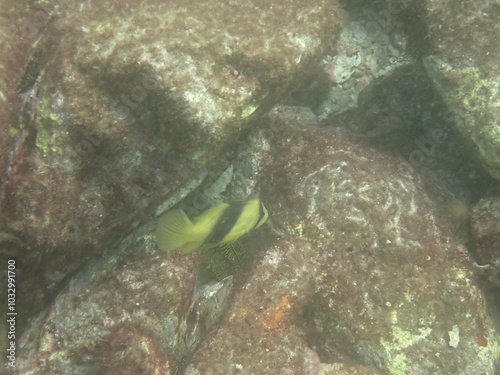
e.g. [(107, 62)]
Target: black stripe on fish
[(226, 222)]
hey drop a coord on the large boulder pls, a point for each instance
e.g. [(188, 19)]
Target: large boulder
[(465, 44), (365, 275), (120, 316)]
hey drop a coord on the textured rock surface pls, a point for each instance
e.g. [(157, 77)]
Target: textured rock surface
[(465, 40), (119, 316), (263, 330), (372, 44), (485, 230), (403, 115), (395, 286), (261, 317), (19, 27), (121, 104)]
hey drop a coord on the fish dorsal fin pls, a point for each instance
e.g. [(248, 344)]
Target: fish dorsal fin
[(210, 216)]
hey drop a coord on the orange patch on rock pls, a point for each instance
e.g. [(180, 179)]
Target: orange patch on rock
[(276, 317), (482, 341)]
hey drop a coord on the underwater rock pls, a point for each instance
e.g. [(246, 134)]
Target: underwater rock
[(122, 315), (123, 105), (485, 229), (136, 311), (370, 46), (20, 24), (261, 317), (364, 269), (19, 27), (265, 316), (394, 281), (465, 42), (403, 114), (300, 116)]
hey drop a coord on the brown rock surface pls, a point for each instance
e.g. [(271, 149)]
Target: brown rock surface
[(119, 316)]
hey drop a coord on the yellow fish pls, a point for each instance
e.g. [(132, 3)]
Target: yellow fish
[(222, 223)]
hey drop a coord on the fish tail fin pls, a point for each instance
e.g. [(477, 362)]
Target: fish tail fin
[(173, 230)]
